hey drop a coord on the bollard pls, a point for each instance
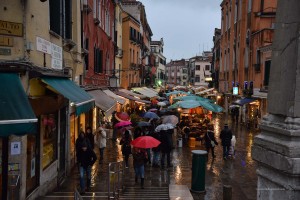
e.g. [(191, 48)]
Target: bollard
[(227, 192), (179, 142), (198, 171)]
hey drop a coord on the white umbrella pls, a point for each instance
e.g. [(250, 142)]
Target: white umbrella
[(164, 127), (161, 104), (172, 119)]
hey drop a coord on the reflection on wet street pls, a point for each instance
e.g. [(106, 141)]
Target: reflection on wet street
[(238, 172)]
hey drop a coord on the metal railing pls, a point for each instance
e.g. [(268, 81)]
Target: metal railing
[(77, 195), (115, 179)]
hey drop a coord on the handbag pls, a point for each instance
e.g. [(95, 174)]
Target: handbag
[(211, 142)]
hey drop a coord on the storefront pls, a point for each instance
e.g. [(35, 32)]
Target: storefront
[(80, 113), (16, 119)]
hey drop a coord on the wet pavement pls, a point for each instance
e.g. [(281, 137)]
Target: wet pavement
[(238, 172)]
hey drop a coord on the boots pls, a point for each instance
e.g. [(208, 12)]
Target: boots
[(142, 183)]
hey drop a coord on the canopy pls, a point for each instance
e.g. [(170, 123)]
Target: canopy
[(176, 92), (145, 92), (16, 115), (82, 100), (103, 101), (127, 96), (194, 104), (205, 91), (244, 101), (132, 93), (114, 96)]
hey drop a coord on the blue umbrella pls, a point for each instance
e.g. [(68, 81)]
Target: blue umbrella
[(151, 115), (142, 124), (176, 92), (194, 104)]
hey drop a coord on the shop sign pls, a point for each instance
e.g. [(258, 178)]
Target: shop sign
[(56, 64), (11, 28), (43, 45), (6, 41), (235, 90), (5, 52)]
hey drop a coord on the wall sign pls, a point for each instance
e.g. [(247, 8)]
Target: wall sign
[(43, 45), (11, 28), (6, 41), (15, 148)]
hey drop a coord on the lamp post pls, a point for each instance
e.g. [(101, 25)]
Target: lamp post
[(113, 80)]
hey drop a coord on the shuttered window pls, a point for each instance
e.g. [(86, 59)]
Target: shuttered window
[(55, 22), (68, 19), (98, 60)]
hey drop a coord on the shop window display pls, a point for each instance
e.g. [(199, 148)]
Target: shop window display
[(49, 136)]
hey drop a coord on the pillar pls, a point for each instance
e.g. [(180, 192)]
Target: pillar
[(276, 149)]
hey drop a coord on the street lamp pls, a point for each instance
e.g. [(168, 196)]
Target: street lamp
[(113, 80)]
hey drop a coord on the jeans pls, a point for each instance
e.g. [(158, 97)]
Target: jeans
[(155, 157), (139, 171), (226, 151), (101, 153), (83, 170)]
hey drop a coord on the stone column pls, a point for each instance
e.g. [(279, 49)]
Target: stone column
[(277, 148)]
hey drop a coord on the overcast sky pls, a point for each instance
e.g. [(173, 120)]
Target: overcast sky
[(187, 26)]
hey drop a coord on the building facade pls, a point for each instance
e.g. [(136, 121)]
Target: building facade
[(157, 48), (201, 69), (177, 73), (246, 37), (47, 62)]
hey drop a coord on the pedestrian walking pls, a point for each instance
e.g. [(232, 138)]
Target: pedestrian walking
[(101, 142), (165, 148), (126, 147), (80, 140), (156, 150), (210, 141), (139, 156), (90, 136), (86, 158), (226, 136)]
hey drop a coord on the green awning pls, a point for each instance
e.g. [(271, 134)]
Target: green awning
[(16, 114), (79, 97)]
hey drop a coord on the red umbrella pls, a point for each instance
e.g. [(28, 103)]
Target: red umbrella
[(122, 116), (123, 123), (145, 142)]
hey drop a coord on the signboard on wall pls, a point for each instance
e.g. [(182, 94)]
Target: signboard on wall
[(11, 28), (43, 45), (56, 53)]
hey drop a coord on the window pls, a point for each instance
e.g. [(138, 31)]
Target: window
[(99, 11), (197, 78), (198, 67), (207, 67), (86, 56), (98, 60), (61, 18), (95, 8), (49, 134), (249, 6), (267, 72)]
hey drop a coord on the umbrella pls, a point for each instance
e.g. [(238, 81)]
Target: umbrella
[(152, 110), (172, 119), (123, 123), (185, 104), (164, 127), (142, 124), (161, 104), (192, 97), (151, 115), (122, 116), (145, 142), (123, 129)]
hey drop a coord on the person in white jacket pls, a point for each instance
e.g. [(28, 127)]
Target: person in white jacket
[(101, 141)]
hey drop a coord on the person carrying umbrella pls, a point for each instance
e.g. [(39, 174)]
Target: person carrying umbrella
[(126, 147), (210, 140), (165, 148), (139, 156)]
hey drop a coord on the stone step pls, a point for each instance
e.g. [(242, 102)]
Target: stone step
[(148, 193)]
